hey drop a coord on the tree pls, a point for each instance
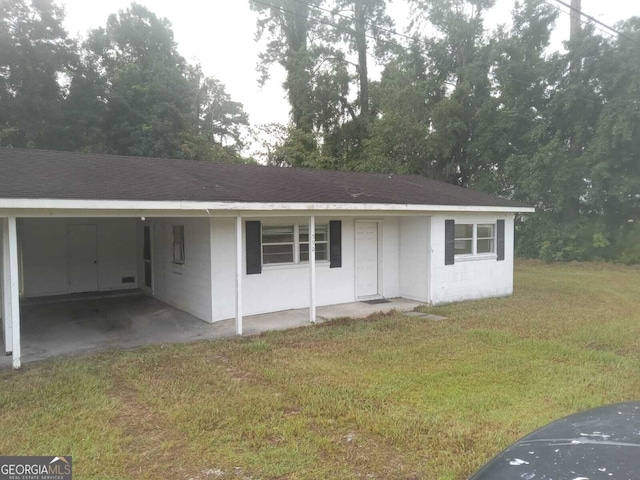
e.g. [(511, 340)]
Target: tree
[(287, 26), (34, 52), (155, 103), (148, 95)]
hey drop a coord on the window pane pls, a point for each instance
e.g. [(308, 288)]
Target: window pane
[(178, 234), (464, 230), (277, 254), (463, 247), (322, 252), (485, 231), (277, 234), (321, 233), (178, 244), (485, 246), (178, 253)]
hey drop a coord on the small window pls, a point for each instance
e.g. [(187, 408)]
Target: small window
[(277, 244), (463, 244), (322, 243), (486, 239), (178, 244), (472, 239)]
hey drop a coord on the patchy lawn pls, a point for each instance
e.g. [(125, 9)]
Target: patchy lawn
[(387, 397)]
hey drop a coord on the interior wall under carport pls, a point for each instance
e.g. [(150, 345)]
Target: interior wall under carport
[(186, 285), (51, 263)]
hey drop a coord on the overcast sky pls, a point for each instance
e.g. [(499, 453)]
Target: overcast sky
[(220, 35)]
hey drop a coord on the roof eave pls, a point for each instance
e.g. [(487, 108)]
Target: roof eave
[(215, 207)]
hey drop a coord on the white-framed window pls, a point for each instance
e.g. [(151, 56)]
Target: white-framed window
[(475, 239), (178, 244), (322, 243), (278, 244), (289, 244)]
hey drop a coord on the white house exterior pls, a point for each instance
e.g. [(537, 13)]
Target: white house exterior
[(223, 241)]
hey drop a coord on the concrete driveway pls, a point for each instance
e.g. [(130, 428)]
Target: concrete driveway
[(75, 326)]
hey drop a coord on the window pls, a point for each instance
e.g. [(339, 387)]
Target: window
[(178, 244), (290, 244), (277, 244), (472, 239), (464, 239), (322, 243), (485, 238)]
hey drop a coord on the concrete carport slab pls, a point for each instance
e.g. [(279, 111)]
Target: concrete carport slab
[(84, 324)]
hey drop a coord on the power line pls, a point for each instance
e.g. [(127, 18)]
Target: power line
[(325, 22), (595, 20), (585, 22), (396, 45), (382, 29)]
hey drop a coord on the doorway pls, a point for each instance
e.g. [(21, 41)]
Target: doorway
[(147, 259), (83, 258), (367, 259)]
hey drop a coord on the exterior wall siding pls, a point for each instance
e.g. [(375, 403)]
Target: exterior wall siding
[(44, 253), (286, 287), (186, 286), (473, 278)]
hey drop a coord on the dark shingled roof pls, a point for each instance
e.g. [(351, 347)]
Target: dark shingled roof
[(28, 173)]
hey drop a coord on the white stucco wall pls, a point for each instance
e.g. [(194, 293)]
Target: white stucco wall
[(414, 258), (44, 253), (472, 278), (187, 286), (287, 287)]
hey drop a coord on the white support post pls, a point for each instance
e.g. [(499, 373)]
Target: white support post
[(15, 292), (239, 275), (6, 288), (312, 269)]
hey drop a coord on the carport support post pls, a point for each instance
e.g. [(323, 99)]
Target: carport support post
[(14, 291), (312, 269), (6, 288), (239, 275)]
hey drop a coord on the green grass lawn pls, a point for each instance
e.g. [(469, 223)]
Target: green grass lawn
[(388, 397)]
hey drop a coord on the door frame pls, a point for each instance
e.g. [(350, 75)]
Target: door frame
[(97, 263), (143, 283), (380, 288)]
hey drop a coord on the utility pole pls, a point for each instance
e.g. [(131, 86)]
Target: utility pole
[(574, 32), (576, 9)]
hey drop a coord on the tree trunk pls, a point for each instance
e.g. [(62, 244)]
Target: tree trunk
[(361, 45)]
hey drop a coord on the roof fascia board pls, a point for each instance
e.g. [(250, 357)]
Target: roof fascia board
[(212, 208)]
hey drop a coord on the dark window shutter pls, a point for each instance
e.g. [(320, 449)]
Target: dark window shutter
[(500, 240), (335, 241), (254, 247), (449, 242)]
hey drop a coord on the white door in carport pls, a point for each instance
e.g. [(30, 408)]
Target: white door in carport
[(366, 259), (83, 258)]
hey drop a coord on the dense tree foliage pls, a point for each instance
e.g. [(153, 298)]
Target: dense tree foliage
[(494, 110), (449, 99), (125, 90)]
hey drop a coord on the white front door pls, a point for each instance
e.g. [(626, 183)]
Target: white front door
[(366, 259), (83, 259)]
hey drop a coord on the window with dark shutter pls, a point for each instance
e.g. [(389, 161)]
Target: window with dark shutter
[(500, 240), (449, 242), (253, 231), (335, 241)]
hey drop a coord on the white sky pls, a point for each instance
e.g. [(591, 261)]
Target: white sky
[(220, 35)]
